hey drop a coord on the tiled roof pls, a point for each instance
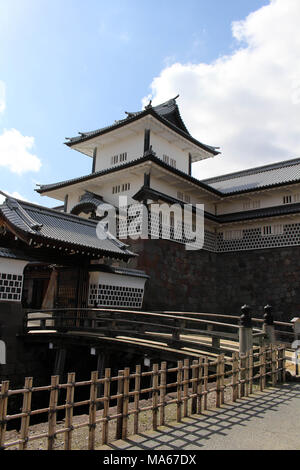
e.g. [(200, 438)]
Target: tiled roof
[(150, 156), (167, 112), (257, 178), (46, 225), (13, 254)]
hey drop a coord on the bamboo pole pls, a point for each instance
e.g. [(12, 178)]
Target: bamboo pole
[(69, 410), (179, 383), (163, 389), (194, 387), (3, 411), (218, 382), (155, 396), (105, 424), (186, 373), (26, 408), (205, 383), (251, 371), (125, 402), (52, 411), (120, 392), (222, 379), (137, 389), (235, 372), (200, 385), (92, 410), (273, 366)]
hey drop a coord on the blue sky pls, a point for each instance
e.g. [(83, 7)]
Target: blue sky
[(69, 66)]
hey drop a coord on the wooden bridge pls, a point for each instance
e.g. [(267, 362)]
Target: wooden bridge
[(180, 334)]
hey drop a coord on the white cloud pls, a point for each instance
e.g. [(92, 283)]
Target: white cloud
[(15, 152), (248, 103)]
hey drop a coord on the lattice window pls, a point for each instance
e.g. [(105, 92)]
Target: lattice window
[(11, 287), (115, 296), (233, 234), (287, 199)]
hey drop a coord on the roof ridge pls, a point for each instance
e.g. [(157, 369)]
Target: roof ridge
[(260, 169)]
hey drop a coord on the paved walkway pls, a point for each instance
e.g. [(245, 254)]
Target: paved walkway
[(268, 420)]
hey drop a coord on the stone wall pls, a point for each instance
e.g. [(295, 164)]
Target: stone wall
[(221, 283)]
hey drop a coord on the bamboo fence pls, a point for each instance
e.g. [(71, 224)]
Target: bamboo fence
[(189, 382)]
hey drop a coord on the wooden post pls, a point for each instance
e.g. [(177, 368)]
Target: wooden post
[(163, 390), (69, 410), (245, 330), (155, 396), (125, 401), (218, 382), (242, 375), (205, 383), (119, 426), (199, 386), (268, 326), (3, 411), (235, 372), (92, 410), (105, 424), (52, 411), (179, 382), (246, 363), (26, 408), (283, 365), (251, 371), (186, 373), (222, 379), (137, 389), (194, 387), (273, 365), (262, 368)]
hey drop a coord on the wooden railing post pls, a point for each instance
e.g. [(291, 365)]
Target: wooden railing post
[(69, 410), (126, 401), (186, 373), (137, 389), (26, 408), (199, 386), (235, 373), (120, 392), (179, 383), (245, 330), (106, 397), (163, 389), (52, 411), (155, 396), (269, 327), (3, 411), (194, 387), (92, 410)]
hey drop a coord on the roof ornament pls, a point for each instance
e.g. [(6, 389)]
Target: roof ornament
[(149, 105)]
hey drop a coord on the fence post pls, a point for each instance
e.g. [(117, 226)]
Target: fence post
[(125, 401), (269, 327), (120, 390), (137, 389), (69, 410), (179, 383), (92, 410), (186, 373), (235, 371), (245, 330), (52, 411), (155, 396), (3, 411), (194, 387), (26, 408), (163, 389)]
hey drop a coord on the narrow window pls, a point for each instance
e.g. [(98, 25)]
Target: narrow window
[(287, 199)]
